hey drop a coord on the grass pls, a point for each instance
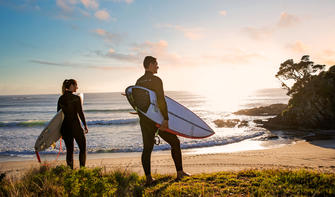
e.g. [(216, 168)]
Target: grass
[(62, 181)]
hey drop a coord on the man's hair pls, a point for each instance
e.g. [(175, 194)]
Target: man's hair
[(147, 60)]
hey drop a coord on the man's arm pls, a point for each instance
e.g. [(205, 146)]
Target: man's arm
[(161, 99)]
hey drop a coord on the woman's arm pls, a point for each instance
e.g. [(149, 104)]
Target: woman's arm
[(81, 113)]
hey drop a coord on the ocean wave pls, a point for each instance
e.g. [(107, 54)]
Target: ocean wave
[(107, 110), (113, 122), (41, 123), (209, 142), (186, 144), (86, 111), (26, 112), (29, 123)]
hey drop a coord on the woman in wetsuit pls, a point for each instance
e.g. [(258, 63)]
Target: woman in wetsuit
[(71, 127)]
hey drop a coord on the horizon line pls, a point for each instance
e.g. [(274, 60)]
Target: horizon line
[(32, 94)]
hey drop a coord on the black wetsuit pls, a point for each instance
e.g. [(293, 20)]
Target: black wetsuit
[(154, 83), (71, 127)]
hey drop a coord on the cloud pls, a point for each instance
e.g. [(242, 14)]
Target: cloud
[(110, 38), (102, 15), (139, 51), (93, 4), (330, 62), (190, 33), (151, 47), (223, 12), (160, 50), (65, 5), (30, 5), (84, 13), (329, 52), (111, 50), (126, 1), (118, 56), (287, 20), (258, 33), (235, 56), (157, 49), (328, 57), (81, 66), (48, 63), (70, 8), (298, 47), (261, 33), (100, 32)]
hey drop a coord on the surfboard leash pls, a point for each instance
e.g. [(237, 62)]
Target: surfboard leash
[(60, 147), (38, 156), (60, 150), (157, 139)]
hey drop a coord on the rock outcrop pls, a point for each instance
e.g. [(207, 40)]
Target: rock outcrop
[(313, 107), (271, 110), (231, 123)]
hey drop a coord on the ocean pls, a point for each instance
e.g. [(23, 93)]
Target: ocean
[(112, 129)]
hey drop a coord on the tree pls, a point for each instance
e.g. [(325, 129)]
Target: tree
[(295, 76)]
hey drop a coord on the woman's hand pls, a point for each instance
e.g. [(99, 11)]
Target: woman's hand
[(86, 130)]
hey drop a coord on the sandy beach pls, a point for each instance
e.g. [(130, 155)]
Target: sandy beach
[(317, 155)]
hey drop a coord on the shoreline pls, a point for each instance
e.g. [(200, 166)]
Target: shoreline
[(314, 155), (243, 145)]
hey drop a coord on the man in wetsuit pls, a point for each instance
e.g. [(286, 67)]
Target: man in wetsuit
[(154, 83)]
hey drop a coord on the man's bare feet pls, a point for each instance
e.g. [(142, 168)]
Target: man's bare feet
[(149, 181), (181, 174)]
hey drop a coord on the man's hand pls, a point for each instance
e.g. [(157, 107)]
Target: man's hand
[(85, 130), (164, 125)]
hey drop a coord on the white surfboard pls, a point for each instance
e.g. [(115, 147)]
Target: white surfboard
[(182, 121), (51, 133)]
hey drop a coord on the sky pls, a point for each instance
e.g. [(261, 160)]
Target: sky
[(227, 46)]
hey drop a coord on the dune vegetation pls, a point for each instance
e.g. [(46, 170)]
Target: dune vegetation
[(62, 181)]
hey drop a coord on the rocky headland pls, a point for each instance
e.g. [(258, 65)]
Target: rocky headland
[(313, 107), (310, 108)]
